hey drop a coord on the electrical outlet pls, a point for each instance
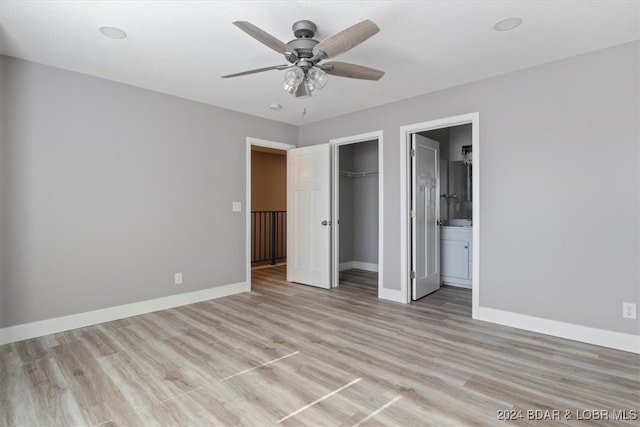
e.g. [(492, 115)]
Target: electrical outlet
[(628, 310), (178, 279)]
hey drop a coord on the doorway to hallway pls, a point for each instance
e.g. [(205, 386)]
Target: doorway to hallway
[(265, 203)]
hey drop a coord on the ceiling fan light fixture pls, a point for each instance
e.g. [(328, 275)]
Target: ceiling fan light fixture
[(292, 79), (288, 88), (306, 75), (317, 77), (311, 88), (302, 91)]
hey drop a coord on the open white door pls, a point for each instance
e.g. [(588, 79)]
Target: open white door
[(309, 216), (425, 206)]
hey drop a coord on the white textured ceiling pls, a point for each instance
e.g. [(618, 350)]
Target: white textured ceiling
[(183, 47)]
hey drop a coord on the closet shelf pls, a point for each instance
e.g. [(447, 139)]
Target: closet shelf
[(358, 174)]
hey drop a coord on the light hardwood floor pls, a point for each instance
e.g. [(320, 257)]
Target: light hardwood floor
[(293, 355)]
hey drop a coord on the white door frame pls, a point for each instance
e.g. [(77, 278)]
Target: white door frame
[(261, 143), (405, 141), (335, 261)]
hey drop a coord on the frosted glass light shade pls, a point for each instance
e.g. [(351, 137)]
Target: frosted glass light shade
[(292, 79), (317, 77)]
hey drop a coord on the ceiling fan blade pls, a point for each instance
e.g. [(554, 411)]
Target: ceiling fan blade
[(346, 39), (353, 71), (262, 36), (257, 70)]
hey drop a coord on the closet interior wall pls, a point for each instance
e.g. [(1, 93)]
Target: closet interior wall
[(358, 239)]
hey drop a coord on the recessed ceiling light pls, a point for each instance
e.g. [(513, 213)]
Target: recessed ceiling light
[(507, 24), (112, 32), (275, 106)]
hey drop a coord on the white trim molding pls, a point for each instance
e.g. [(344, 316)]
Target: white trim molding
[(80, 320), (366, 266), (394, 295), (586, 334)]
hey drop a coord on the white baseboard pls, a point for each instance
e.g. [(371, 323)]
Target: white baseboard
[(80, 320), (367, 266), (391, 295), (587, 334), (457, 284)]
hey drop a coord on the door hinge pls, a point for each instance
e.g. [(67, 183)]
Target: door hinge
[(413, 275), (412, 152), (412, 214)]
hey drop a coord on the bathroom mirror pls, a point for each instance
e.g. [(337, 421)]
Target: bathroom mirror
[(461, 189)]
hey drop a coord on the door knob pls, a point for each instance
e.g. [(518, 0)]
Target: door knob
[(325, 222)]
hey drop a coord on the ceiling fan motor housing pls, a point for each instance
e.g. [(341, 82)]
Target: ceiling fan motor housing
[(303, 43), (304, 47), (304, 29)]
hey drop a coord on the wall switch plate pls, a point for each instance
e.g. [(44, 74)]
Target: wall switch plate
[(178, 279), (236, 207), (628, 310)]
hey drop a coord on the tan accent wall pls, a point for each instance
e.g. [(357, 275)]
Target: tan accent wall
[(268, 181)]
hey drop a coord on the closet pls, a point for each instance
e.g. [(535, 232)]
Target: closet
[(358, 206)]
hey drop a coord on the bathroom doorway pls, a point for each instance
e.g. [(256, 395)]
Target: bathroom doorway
[(440, 207)]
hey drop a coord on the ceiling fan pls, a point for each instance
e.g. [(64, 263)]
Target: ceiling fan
[(305, 72)]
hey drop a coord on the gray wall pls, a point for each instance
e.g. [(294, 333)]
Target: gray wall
[(345, 241), (108, 190), (558, 143), (365, 203), (4, 182)]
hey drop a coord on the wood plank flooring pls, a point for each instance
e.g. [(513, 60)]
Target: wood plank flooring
[(292, 355)]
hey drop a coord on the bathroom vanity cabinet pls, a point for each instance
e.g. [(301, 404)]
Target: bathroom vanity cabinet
[(456, 256)]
